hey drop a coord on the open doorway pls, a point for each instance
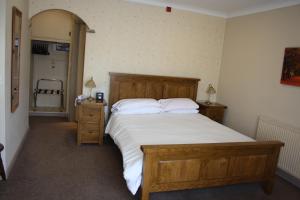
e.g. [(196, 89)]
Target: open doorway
[(50, 62), (57, 61)]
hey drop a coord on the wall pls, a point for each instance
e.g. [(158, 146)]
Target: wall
[(137, 38), (251, 69), (16, 124), (2, 73)]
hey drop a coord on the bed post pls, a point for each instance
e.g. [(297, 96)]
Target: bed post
[(269, 184), (145, 189), (146, 181)]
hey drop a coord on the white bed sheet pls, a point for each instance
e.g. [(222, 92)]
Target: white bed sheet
[(129, 132)]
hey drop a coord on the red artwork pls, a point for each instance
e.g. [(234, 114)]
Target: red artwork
[(291, 67)]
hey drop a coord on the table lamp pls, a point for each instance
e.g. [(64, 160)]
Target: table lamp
[(90, 84), (210, 91)]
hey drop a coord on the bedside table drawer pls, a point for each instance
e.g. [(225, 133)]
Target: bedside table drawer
[(89, 113), (215, 114), (89, 132), (90, 126), (90, 136)]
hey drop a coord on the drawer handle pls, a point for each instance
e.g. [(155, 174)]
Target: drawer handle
[(91, 115), (90, 132)]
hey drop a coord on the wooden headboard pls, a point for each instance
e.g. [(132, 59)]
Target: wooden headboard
[(125, 86)]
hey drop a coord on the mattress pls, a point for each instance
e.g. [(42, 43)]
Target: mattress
[(129, 132)]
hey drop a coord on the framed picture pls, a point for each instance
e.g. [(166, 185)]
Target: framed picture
[(291, 67), (15, 57)]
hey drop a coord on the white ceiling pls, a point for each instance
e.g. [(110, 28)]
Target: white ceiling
[(222, 8)]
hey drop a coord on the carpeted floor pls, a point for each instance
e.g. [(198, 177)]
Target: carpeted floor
[(52, 167)]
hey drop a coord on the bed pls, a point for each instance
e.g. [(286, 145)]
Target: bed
[(187, 164)]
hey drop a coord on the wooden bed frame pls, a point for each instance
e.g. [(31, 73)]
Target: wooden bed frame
[(187, 166)]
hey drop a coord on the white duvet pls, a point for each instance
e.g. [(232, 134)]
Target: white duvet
[(129, 132)]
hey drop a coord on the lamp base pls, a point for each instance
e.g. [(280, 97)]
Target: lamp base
[(208, 102), (90, 98)]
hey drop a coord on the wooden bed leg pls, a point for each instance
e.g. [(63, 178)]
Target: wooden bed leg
[(268, 186), (145, 195), (147, 169)]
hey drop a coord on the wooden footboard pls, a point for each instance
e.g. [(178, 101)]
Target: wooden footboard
[(177, 167)]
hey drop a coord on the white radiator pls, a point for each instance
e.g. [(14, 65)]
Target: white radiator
[(289, 159)]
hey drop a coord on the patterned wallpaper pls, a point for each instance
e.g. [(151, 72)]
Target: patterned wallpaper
[(136, 38)]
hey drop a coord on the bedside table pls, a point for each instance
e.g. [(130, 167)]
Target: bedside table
[(214, 111), (90, 122)]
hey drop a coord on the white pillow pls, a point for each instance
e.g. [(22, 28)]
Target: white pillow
[(146, 110), (178, 104), (184, 111), (127, 104)]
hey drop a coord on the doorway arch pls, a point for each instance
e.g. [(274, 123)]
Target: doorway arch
[(60, 26), (62, 10)]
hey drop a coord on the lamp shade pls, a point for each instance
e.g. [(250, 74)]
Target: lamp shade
[(210, 89), (90, 83)]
